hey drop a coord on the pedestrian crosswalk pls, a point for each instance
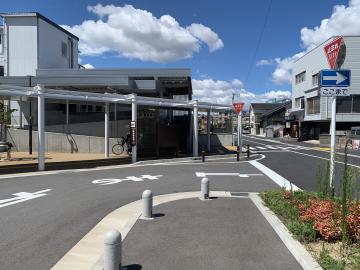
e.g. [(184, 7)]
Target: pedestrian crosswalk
[(273, 147)]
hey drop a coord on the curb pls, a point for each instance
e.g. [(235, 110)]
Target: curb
[(302, 256), (87, 253)]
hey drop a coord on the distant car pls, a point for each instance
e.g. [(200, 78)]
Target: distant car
[(246, 131), (355, 133)]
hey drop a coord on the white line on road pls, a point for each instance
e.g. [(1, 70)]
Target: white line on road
[(203, 174), (277, 178), (22, 197), (309, 155)]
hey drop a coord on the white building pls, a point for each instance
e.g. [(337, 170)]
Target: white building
[(311, 113), (35, 50), (30, 41)]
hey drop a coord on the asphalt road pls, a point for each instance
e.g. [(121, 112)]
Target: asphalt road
[(50, 212), (36, 233), (298, 162)]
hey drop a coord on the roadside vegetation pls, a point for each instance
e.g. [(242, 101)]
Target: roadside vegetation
[(328, 224)]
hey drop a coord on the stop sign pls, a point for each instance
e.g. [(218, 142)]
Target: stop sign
[(238, 106)]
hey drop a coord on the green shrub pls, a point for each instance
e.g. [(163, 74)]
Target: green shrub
[(303, 231), (329, 263)]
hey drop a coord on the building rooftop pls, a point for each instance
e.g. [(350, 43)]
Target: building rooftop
[(325, 41), (38, 15), (263, 107), (276, 109)]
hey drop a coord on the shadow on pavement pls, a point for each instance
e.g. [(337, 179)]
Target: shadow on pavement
[(132, 267)]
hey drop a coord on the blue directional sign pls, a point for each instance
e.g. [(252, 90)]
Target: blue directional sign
[(335, 78)]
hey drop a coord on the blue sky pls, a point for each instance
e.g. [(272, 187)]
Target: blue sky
[(234, 31)]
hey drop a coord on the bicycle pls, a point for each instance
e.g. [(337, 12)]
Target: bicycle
[(119, 148)]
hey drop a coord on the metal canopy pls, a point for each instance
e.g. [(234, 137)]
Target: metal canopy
[(42, 94), (11, 90)]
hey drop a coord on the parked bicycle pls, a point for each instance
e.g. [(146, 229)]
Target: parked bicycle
[(119, 148)]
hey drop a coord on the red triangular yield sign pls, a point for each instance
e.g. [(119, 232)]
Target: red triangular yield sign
[(238, 106), (332, 51)]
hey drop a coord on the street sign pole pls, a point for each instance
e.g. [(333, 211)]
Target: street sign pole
[(238, 108), (332, 144), (334, 83), (239, 132)]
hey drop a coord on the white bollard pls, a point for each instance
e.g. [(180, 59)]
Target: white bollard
[(147, 200), (205, 189), (112, 250)]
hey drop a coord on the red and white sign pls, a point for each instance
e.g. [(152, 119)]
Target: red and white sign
[(332, 51), (238, 106)]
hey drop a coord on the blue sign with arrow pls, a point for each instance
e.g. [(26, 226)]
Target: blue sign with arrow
[(335, 78)]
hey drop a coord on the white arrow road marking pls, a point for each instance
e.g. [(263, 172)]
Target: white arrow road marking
[(338, 77), (202, 174), (22, 197), (111, 181)]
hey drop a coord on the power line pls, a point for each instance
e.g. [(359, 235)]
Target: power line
[(258, 43)]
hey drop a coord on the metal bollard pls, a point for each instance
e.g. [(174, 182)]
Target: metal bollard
[(147, 200), (248, 151), (203, 154), (112, 250), (238, 153), (205, 189)]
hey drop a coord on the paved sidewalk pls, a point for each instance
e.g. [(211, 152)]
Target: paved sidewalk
[(223, 233)]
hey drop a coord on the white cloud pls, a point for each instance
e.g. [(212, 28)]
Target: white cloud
[(343, 21), (206, 35), (282, 73), (88, 66), (265, 62), (219, 91), (136, 33)]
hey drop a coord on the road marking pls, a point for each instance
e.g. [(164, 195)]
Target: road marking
[(277, 178), (22, 197), (203, 174), (271, 147), (111, 181), (322, 158), (260, 147)]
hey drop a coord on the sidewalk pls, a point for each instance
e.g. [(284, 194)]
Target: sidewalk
[(223, 233), (23, 162)]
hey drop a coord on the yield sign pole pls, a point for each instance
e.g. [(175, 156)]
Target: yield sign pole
[(238, 108)]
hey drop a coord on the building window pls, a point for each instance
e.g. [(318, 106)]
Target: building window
[(300, 103), (1, 71), (343, 104), (315, 79), (313, 105), (300, 77), (356, 104), (350, 104), (64, 49)]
